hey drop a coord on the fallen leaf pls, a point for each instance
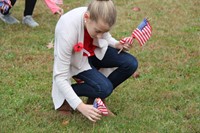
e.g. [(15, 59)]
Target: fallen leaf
[(65, 122), (50, 45), (136, 75), (137, 9)]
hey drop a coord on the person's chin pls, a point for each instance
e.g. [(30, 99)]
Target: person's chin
[(93, 37)]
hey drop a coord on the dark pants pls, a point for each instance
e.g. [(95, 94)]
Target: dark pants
[(96, 84), (29, 7)]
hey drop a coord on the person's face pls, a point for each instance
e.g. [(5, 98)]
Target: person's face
[(96, 29)]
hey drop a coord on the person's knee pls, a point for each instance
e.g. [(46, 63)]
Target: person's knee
[(134, 64), (131, 64), (104, 89)]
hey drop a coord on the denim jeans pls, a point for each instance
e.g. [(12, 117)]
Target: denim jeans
[(96, 84)]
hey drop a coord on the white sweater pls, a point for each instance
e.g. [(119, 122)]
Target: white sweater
[(67, 63)]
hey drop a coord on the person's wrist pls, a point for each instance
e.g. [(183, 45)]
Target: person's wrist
[(118, 45), (80, 107)]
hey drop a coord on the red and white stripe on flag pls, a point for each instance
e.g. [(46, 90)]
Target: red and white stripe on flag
[(128, 40)]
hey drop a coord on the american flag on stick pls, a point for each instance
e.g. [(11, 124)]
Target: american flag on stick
[(98, 103), (5, 5), (142, 33)]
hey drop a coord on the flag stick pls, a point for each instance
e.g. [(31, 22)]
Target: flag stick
[(120, 51)]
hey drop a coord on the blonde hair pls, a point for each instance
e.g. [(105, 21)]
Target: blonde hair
[(104, 10)]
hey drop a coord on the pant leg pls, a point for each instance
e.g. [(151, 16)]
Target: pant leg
[(29, 7), (126, 63), (12, 3), (95, 84)]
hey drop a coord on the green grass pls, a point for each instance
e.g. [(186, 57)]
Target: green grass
[(165, 98)]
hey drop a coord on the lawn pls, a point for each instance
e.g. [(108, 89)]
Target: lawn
[(164, 99)]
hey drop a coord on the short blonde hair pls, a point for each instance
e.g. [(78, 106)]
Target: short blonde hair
[(104, 10)]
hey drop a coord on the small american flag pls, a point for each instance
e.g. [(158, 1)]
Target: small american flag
[(5, 5), (142, 33), (98, 103)]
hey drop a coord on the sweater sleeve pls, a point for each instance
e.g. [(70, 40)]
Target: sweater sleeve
[(62, 59), (52, 6), (111, 41)]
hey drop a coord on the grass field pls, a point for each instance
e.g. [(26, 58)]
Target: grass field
[(164, 99)]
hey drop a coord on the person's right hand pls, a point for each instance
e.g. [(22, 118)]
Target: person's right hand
[(90, 112)]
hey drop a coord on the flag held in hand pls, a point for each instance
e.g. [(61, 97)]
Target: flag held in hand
[(98, 103), (142, 33), (5, 5)]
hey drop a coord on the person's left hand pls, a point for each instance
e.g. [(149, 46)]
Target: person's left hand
[(60, 12), (124, 47), (127, 46)]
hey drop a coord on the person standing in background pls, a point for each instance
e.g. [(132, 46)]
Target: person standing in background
[(28, 12)]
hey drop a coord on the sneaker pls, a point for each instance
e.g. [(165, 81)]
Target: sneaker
[(28, 20), (9, 19)]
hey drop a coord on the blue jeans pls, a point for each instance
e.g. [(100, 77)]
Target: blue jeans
[(96, 84)]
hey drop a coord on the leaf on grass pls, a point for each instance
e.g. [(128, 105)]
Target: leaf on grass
[(50, 45), (136, 75), (137, 9), (65, 123)]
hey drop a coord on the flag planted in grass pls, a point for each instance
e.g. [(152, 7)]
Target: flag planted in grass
[(98, 103), (142, 33)]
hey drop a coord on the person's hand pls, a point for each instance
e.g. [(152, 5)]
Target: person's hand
[(127, 46), (60, 12), (124, 47), (89, 111)]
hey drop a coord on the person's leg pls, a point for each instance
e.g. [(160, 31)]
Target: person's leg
[(29, 7), (28, 12), (6, 16), (13, 2), (126, 63), (95, 84)]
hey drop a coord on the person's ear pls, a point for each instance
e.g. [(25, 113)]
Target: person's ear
[(86, 16)]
